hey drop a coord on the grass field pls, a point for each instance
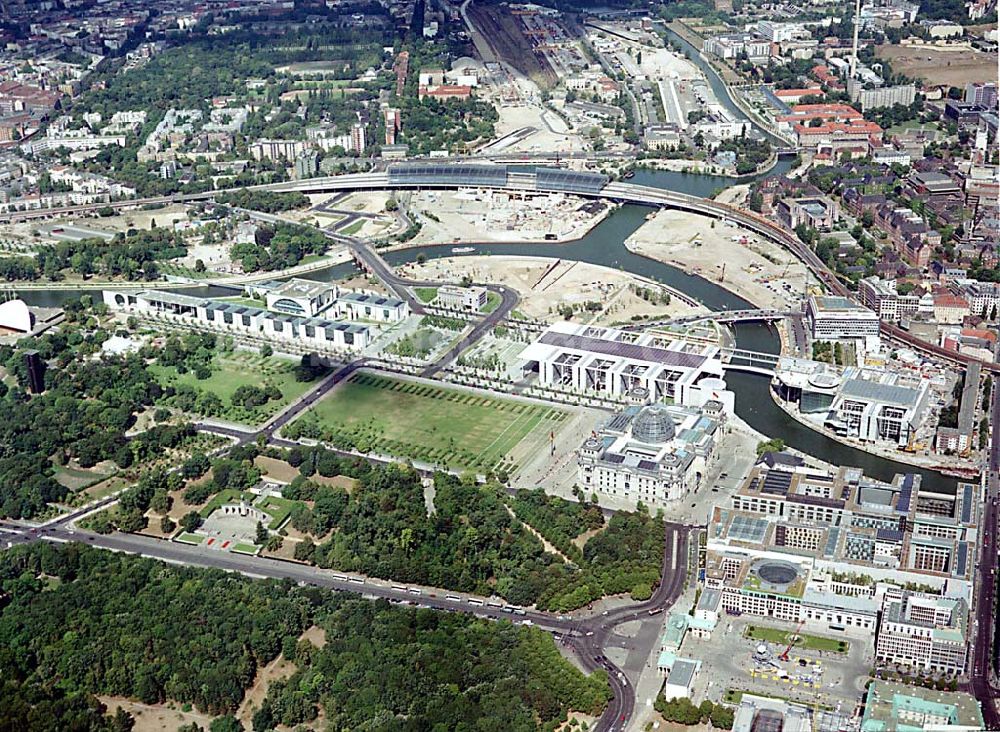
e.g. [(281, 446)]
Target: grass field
[(77, 479), (233, 370), (803, 640), (189, 538), (353, 228), (447, 427), (278, 508), (493, 301), (425, 294), (946, 66), (179, 270)]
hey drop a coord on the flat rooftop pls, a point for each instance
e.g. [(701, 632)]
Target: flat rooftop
[(301, 288), (834, 304), (650, 354), (889, 705), (874, 391)]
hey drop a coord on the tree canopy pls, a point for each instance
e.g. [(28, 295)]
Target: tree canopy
[(79, 621)]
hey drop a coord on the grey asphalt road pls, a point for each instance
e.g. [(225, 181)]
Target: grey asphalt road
[(587, 636)]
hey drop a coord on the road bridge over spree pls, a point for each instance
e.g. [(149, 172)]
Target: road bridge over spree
[(719, 316), (592, 185)]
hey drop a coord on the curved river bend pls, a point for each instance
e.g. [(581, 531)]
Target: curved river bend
[(604, 245)]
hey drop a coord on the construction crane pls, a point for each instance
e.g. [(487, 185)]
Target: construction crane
[(791, 642)]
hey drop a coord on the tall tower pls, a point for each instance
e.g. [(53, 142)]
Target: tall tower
[(854, 46), (36, 371)]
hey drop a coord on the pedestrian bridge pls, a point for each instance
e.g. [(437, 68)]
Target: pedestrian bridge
[(751, 362), (719, 316)]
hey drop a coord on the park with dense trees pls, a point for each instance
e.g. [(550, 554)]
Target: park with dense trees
[(470, 542), (279, 246), (83, 414), (78, 622)]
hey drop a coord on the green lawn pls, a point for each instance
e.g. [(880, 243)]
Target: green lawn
[(76, 479), (425, 294), (448, 427), (912, 125), (493, 300), (245, 548), (353, 228), (233, 370), (278, 508), (189, 538), (804, 640), (179, 270)]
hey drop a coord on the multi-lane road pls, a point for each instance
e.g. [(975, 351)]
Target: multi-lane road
[(983, 656), (403, 287), (587, 635), (619, 191)]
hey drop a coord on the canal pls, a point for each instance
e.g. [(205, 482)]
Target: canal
[(718, 85)]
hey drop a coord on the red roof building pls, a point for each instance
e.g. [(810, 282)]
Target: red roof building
[(445, 91)]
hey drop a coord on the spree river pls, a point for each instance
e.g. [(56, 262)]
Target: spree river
[(604, 245)]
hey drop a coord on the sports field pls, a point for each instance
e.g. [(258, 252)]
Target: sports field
[(445, 426)]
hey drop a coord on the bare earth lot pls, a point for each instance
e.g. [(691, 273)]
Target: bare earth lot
[(951, 65)]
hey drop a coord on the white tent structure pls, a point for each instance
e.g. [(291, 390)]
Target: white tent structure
[(14, 315)]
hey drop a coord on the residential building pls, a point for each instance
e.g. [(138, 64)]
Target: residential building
[(393, 123), (778, 32), (882, 96), (306, 165), (983, 298), (939, 29), (911, 237), (883, 297), (734, 45), (958, 439), (445, 91), (276, 149), (949, 308), (982, 95)]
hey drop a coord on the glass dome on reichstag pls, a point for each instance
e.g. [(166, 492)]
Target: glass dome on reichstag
[(653, 425)]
